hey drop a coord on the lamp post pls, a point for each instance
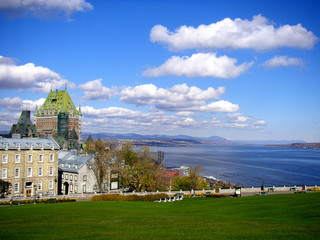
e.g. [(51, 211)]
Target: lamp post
[(35, 194), (194, 187)]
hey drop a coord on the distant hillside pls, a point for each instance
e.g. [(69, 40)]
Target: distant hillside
[(134, 136), (171, 140)]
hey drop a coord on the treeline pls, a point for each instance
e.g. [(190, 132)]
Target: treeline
[(138, 170)]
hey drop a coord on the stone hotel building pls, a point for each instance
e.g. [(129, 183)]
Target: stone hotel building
[(29, 164), (59, 117)]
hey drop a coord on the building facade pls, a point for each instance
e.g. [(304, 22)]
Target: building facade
[(59, 117), (30, 165), (76, 175)]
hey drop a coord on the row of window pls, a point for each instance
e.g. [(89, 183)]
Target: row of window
[(66, 176), (29, 172), (16, 186), (30, 158)]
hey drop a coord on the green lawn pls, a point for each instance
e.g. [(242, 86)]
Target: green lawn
[(295, 216)]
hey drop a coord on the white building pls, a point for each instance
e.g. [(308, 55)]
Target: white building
[(76, 174)]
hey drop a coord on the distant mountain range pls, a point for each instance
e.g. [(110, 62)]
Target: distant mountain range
[(213, 139)]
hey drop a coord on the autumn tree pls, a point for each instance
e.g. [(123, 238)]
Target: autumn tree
[(138, 169), (192, 181), (103, 161)]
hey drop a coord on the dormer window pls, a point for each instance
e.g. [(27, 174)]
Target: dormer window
[(18, 145)]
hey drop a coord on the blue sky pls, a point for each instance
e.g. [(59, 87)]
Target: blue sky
[(243, 70)]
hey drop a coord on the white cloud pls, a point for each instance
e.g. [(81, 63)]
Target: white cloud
[(282, 61), (260, 122), (94, 90), (237, 120), (122, 119), (17, 104), (7, 119), (238, 117), (179, 98), (40, 8), (220, 106), (29, 76), (200, 65), (185, 113), (258, 34)]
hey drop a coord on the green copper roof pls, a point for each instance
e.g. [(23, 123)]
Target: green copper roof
[(57, 101), (24, 126)]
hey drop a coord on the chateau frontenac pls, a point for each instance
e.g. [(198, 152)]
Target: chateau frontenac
[(59, 117)]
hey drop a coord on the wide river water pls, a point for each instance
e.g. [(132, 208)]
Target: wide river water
[(249, 165)]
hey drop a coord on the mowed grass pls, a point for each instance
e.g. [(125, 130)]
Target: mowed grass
[(294, 216)]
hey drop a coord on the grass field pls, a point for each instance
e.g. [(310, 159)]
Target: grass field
[(294, 216)]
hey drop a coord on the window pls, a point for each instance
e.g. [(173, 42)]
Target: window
[(75, 178), (16, 187), (51, 158), (71, 177), (61, 176), (50, 171), (4, 173), (71, 188), (40, 158), (75, 188), (29, 172), (30, 158), (84, 178), (40, 171), (66, 176), (17, 172), (40, 185), (5, 158), (50, 184), (17, 158), (84, 188)]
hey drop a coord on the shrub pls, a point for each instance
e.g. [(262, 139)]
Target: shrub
[(316, 189), (133, 197), (217, 196)]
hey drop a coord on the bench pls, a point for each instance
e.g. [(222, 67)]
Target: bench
[(263, 193), (171, 199), (162, 200), (15, 203), (180, 197), (293, 189), (271, 189), (51, 200), (208, 193)]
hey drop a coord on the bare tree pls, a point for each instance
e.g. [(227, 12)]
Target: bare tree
[(102, 163)]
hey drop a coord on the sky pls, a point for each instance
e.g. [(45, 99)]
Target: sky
[(242, 70)]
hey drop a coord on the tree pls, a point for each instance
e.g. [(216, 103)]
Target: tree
[(102, 163), (138, 169), (192, 181), (4, 187)]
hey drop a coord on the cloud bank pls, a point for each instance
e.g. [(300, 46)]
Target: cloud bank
[(258, 34), (94, 90), (29, 76), (178, 98), (200, 65), (17, 104), (40, 8), (282, 61)]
